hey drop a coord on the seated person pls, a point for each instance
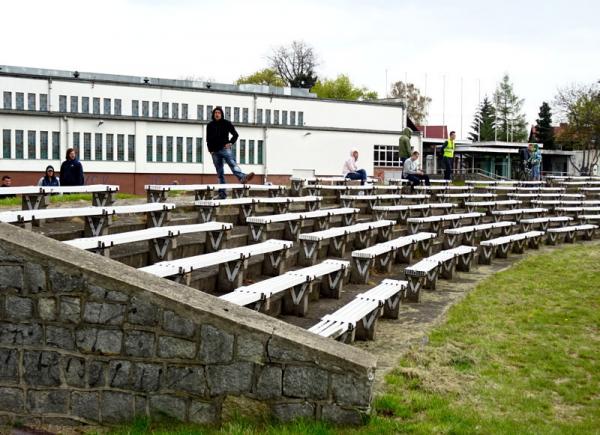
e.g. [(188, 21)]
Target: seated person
[(6, 182), (412, 172), (49, 179), (351, 170)]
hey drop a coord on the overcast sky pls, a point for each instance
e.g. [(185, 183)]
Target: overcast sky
[(543, 45)]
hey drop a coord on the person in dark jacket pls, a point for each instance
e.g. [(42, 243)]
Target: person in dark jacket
[(219, 144), (404, 148), (71, 171), (49, 179)]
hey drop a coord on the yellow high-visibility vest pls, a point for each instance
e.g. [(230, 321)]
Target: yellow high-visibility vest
[(449, 150)]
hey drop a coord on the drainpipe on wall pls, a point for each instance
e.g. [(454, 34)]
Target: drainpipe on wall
[(265, 135), (49, 108)]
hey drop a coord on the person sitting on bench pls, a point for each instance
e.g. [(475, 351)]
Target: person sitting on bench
[(351, 170), (413, 173)]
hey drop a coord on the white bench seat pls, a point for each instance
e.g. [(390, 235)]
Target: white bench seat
[(448, 188), (586, 218), (500, 246), (570, 233), (436, 222), (491, 205), (465, 235), (576, 210), (542, 223), (159, 192), (518, 213), (34, 197), (402, 212)]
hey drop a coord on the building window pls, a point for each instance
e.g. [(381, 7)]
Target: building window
[(135, 108), (131, 147), (146, 109), (200, 112), (276, 117), (56, 145), (251, 152), (19, 144), (149, 148), (386, 155), (243, 151), (62, 103), (44, 144), (155, 109), (234, 151), (120, 147), (189, 148), (169, 148), (20, 101), (107, 106), (284, 118), (292, 118), (165, 110), (44, 102), (179, 153), (245, 114), (259, 156), (259, 116), (236, 114), (30, 101), (268, 116), (98, 146), (87, 146), (159, 149), (175, 110), (228, 113), (8, 100), (300, 118), (76, 143), (110, 147), (6, 142), (184, 111), (198, 150), (209, 110), (74, 104), (31, 143), (96, 107), (118, 105), (85, 104)]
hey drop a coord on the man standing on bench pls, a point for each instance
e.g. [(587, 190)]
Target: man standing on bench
[(412, 171), (219, 145)]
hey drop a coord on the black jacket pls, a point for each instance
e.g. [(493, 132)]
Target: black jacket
[(217, 134), (71, 173)]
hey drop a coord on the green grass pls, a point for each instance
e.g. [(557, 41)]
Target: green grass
[(67, 198), (520, 354)]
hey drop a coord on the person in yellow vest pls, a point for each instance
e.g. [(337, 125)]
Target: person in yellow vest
[(448, 156)]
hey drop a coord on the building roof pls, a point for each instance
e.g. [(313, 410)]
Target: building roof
[(557, 130)]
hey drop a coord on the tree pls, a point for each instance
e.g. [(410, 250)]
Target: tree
[(579, 107), (416, 104), (341, 88), (483, 124), (510, 122), (265, 76), (544, 133), (295, 64)]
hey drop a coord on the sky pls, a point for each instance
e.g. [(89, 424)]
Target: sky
[(440, 46)]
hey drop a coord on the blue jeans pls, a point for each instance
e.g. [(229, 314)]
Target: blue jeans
[(448, 163), (225, 156), (535, 172), (361, 175)]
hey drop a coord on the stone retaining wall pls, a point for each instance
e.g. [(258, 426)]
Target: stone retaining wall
[(85, 339)]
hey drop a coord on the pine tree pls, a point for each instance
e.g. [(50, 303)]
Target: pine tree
[(510, 122), (483, 124), (544, 133)]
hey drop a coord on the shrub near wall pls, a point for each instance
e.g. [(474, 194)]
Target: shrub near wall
[(85, 339)]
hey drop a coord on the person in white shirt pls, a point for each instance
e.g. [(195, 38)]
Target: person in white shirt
[(413, 172), (351, 170)]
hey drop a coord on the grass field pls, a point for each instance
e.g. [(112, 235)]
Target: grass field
[(520, 354)]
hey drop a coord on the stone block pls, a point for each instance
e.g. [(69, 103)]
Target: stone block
[(41, 368), (97, 373), (190, 379), (18, 308), (20, 334), (35, 278), (342, 416), (6, 255), (11, 276), (103, 313), (249, 349), (172, 347), (216, 346), (203, 413), (176, 324), (139, 343), (64, 282), (348, 390), (305, 382), (141, 406), (104, 341), (47, 308), (47, 401), (116, 407), (279, 349), (85, 405), (119, 374), (101, 294), (171, 406), (70, 310), (292, 411), (74, 371), (11, 399), (63, 338), (269, 383), (142, 312), (146, 377), (9, 366), (230, 379)]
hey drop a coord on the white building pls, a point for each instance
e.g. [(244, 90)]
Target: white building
[(133, 131)]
